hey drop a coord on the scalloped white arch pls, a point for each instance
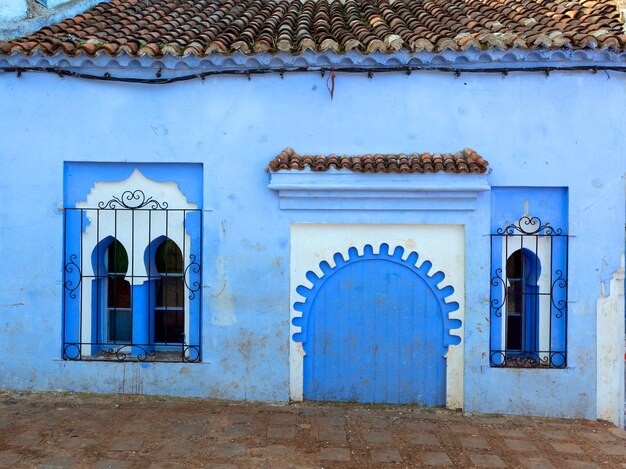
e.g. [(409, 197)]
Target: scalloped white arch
[(442, 245)]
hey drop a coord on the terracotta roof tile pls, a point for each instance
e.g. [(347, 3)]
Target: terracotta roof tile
[(202, 27), (466, 161)]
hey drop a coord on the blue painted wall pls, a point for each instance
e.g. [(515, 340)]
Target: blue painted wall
[(560, 131)]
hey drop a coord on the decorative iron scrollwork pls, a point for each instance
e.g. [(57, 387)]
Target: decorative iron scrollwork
[(194, 267), (72, 268), (122, 352), (529, 226), (71, 351), (133, 200), (497, 303), (191, 353), (561, 304), (533, 359)]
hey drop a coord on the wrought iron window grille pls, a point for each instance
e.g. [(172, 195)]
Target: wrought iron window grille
[(528, 300), (123, 314)]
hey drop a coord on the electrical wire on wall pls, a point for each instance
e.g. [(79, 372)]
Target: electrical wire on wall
[(159, 80)]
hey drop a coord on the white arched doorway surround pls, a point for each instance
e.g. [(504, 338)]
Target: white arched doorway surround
[(442, 245)]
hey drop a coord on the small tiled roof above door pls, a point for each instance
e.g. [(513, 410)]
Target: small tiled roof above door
[(465, 161)]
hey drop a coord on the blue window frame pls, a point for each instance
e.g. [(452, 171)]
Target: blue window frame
[(528, 317), (132, 274)]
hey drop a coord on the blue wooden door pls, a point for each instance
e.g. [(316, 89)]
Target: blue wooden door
[(375, 333)]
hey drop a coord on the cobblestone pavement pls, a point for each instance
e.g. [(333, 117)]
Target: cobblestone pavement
[(61, 430)]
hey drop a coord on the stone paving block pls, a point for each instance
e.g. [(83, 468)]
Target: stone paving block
[(75, 442), (179, 447), (300, 465), (336, 435), (334, 454), (420, 426), (536, 463), (7, 458), (436, 459), (474, 442), (422, 439), (596, 437), (378, 437), (466, 430), (492, 420), (167, 465), (423, 414), (48, 422), (567, 448), (237, 431), (136, 427), (556, 435), (57, 462), (274, 452), (112, 464), (581, 464), (312, 411), (510, 433), (377, 422), (229, 451), (614, 450), (91, 425), (190, 429), (126, 444), (385, 455), (281, 432), (239, 418), (487, 460), (330, 421), (520, 445), (283, 419), (618, 432), (25, 439)]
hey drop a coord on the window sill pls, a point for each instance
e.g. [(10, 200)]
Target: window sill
[(528, 360), (133, 353)]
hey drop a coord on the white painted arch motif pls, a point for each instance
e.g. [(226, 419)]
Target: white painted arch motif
[(108, 209)]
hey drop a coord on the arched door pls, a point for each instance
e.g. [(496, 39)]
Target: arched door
[(376, 332)]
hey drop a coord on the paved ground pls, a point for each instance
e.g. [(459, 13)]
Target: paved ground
[(54, 430)]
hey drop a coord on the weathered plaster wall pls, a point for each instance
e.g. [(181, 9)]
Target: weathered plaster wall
[(12, 10), (19, 18), (558, 131)]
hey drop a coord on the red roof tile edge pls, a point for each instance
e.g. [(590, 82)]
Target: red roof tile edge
[(159, 28), (465, 161)]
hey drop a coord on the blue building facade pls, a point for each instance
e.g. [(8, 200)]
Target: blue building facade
[(149, 248)]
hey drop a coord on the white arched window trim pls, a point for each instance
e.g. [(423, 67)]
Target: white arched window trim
[(134, 229), (541, 247)]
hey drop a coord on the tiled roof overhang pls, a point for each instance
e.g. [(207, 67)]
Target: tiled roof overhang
[(465, 161), (160, 28)]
